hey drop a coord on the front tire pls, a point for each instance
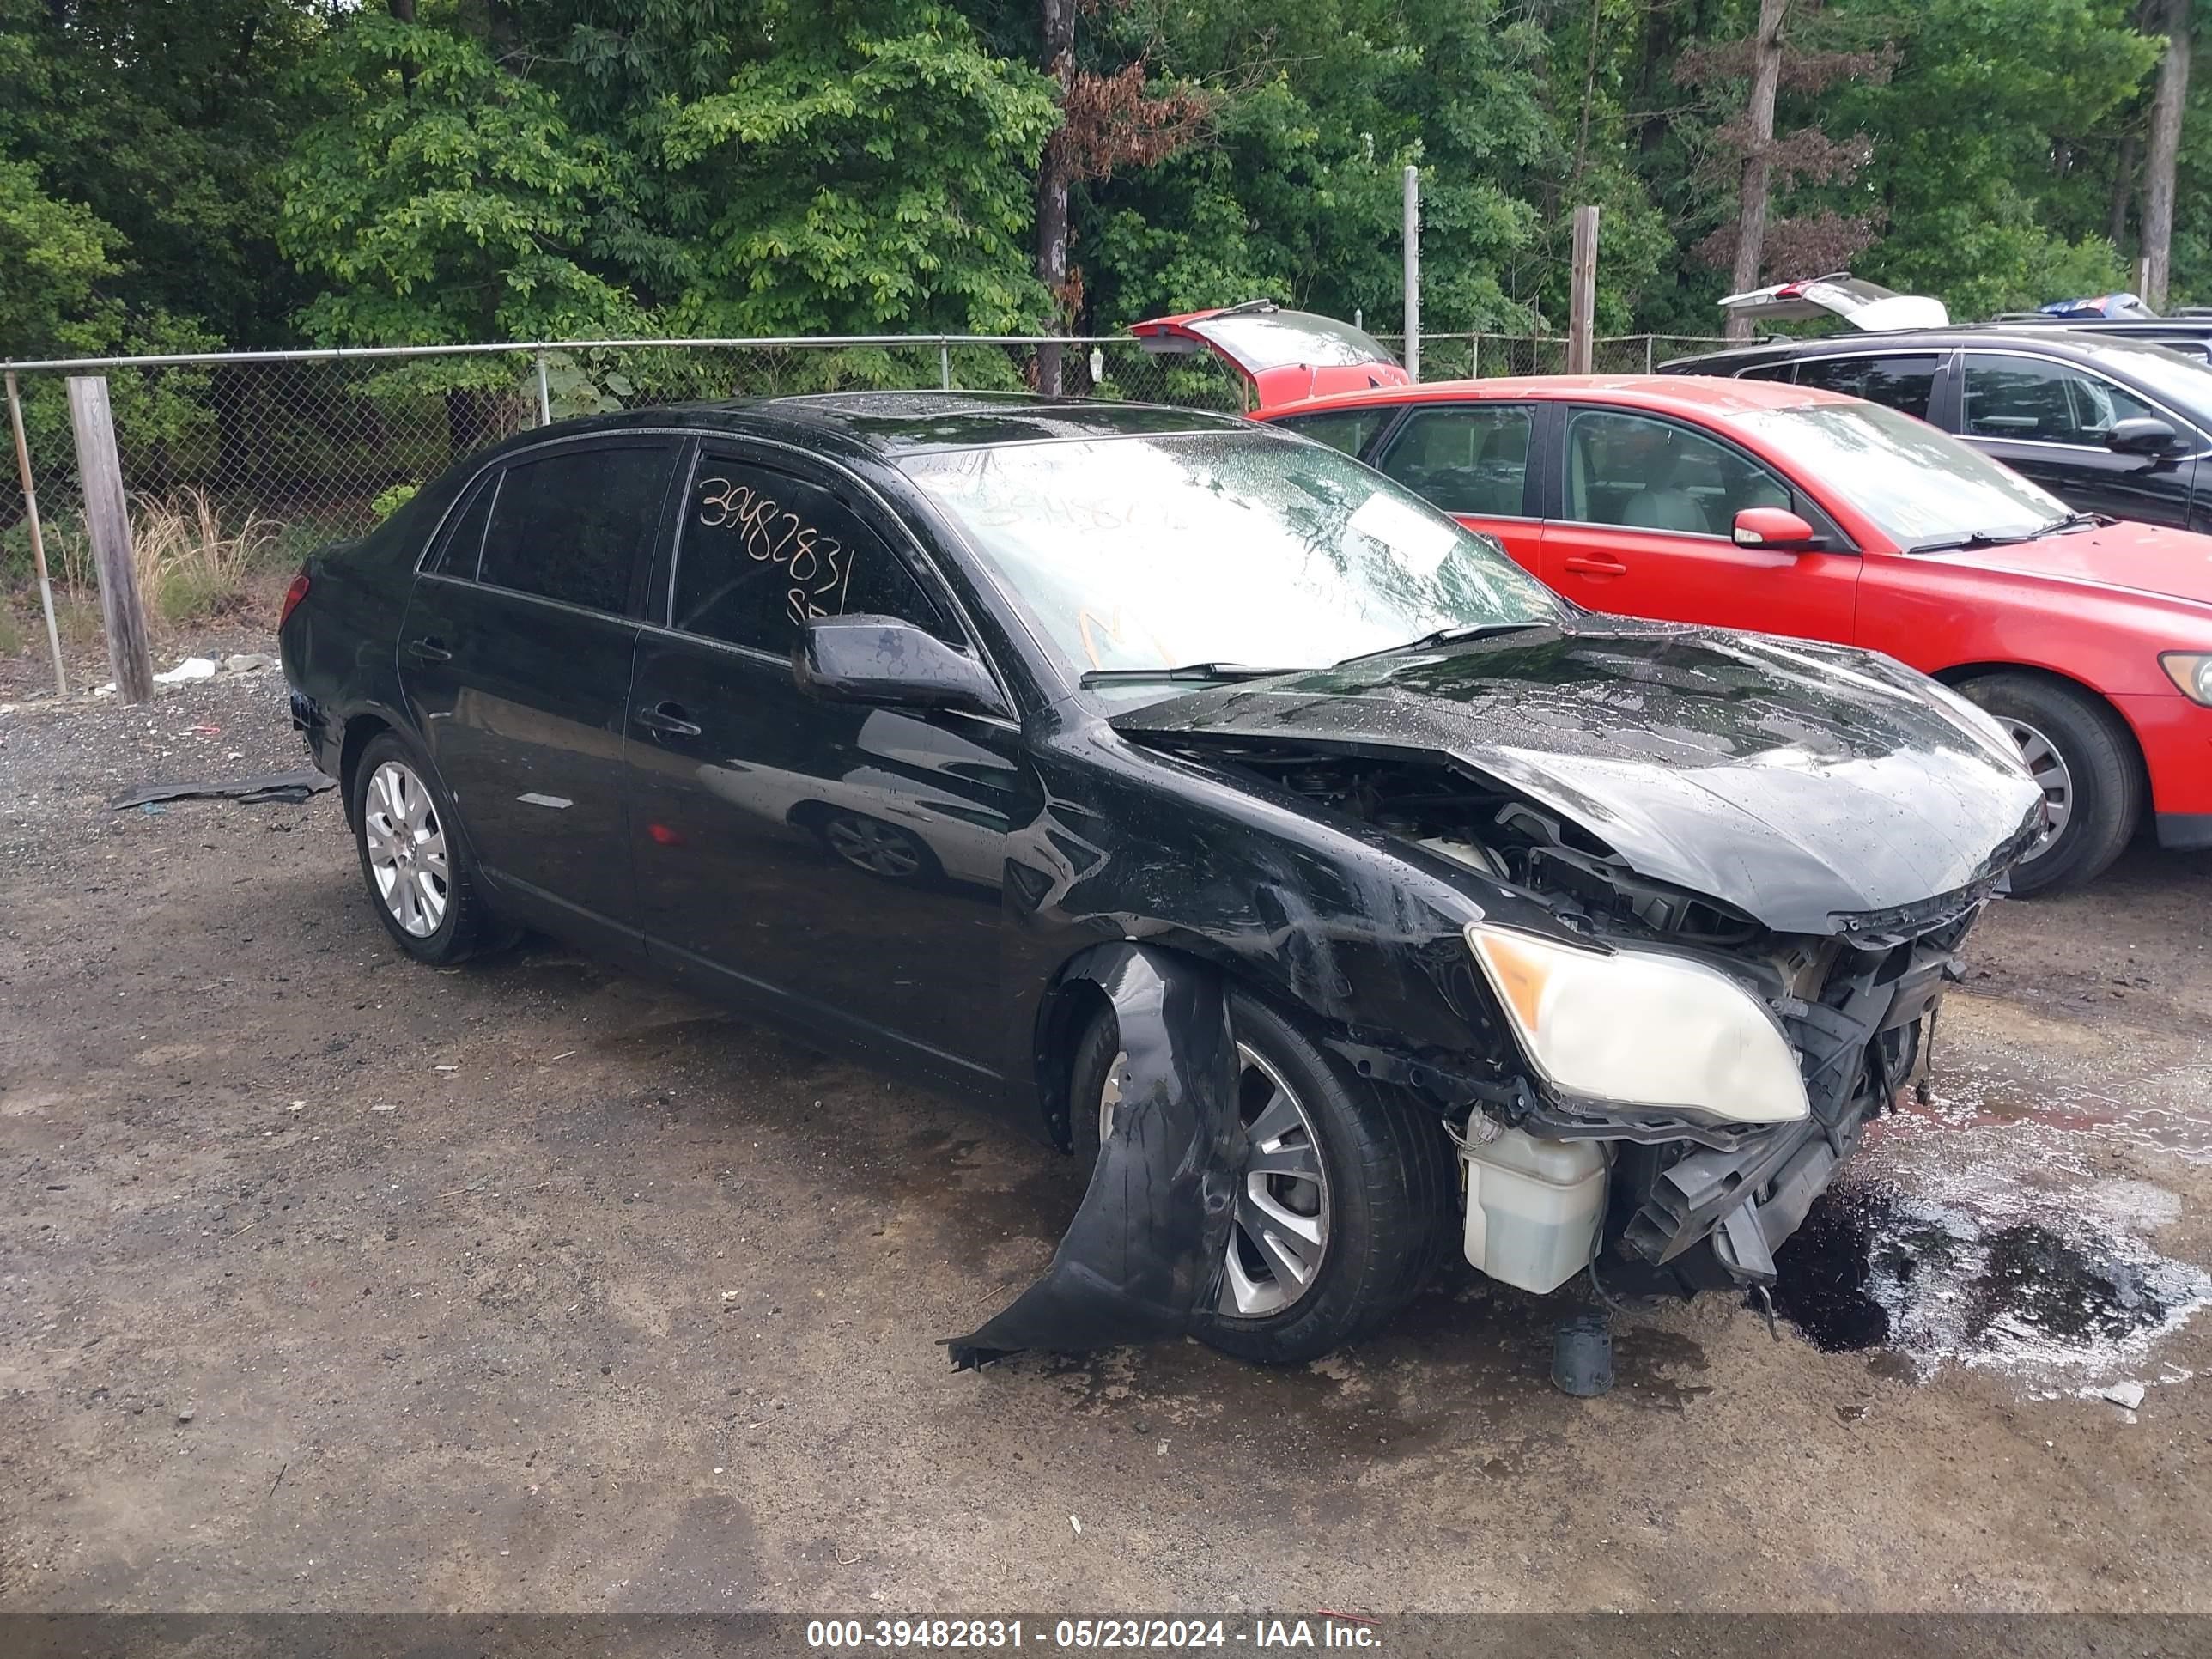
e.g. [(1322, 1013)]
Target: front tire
[(2081, 755), (412, 857), (1343, 1209)]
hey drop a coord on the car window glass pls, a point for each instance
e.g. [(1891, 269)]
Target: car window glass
[(2020, 399), (1347, 429), (1902, 383), (1652, 475), (760, 552), (572, 526), (1781, 370), (462, 544), (1472, 460)]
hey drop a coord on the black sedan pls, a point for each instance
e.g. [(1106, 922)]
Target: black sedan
[(2112, 425), (1200, 799)]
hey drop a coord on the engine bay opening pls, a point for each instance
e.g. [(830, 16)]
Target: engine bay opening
[(1455, 814)]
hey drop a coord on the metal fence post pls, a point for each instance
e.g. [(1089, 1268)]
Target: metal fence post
[(544, 396), (38, 538), (944, 364), (1474, 356), (1648, 340), (108, 521), (1414, 272)]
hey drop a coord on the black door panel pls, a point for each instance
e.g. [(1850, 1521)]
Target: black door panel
[(836, 866), (521, 688)]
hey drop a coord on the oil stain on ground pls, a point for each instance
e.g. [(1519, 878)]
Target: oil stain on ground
[(1928, 1282)]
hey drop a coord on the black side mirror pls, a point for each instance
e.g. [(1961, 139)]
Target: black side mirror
[(893, 664), (2142, 435)]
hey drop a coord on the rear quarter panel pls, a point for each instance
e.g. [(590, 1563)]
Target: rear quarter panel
[(339, 646)]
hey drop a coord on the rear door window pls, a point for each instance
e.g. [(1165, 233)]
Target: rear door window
[(1905, 383), (462, 545), (1471, 459), (760, 552), (574, 525)]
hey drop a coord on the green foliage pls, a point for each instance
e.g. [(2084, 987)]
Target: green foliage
[(165, 124), (445, 201), (857, 182), (261, 171), (390, 500), (1989, 134), (1297, 196)]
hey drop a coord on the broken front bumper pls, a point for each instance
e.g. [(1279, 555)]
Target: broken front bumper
[(1860, 1044)]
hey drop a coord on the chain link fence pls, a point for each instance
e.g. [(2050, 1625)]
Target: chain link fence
[(245, 461)]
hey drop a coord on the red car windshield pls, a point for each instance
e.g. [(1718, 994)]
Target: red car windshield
[(1924, 489)]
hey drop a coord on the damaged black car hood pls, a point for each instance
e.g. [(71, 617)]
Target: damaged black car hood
[(1811, 787)]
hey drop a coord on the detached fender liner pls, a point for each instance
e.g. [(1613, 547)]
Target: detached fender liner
[(1145, 1251)]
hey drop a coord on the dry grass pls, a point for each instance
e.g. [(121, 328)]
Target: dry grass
[(12, 636), (188, 566)]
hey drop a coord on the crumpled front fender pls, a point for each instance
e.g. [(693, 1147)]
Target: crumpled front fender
[(1144, 1252)]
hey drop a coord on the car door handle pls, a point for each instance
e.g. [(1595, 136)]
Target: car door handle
[(672, 718), (429, 649), (1598, 565)]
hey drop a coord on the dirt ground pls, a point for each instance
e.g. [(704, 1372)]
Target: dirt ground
[(329, 1282)]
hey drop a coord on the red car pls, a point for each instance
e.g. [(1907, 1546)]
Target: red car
[(1789, 510)]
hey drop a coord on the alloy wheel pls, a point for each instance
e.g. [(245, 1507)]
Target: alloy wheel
[(406, 849), (1279, 1231), (2051, 774)]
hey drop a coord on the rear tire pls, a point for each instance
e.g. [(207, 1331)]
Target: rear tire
[(2085, 761), (1387, 1185), (414, 861)]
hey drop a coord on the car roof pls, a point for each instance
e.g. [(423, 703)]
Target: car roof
[(884, 425), (1715, 396), (2048, 336)]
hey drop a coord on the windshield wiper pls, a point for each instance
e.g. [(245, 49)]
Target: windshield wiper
[(1979, 539), (2075, 521), (1202, 672), (1450, 636)]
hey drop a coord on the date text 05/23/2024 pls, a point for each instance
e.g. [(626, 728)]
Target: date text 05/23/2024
[(864, 1635)]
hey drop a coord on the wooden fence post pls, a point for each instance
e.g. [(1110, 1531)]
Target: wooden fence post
[(107, 522), (1581, 292)]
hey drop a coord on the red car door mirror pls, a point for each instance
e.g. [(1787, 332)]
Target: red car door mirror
[(1775, 529)]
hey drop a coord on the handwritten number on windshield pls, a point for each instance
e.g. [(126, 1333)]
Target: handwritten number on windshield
[(819, 566)]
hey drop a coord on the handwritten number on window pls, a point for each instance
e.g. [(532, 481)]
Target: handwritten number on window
[(820, 567)]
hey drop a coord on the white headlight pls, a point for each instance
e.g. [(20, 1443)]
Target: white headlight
[(1641, 1029)]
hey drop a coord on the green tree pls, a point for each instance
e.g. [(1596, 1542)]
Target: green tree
[(445, 200), (166, 122)]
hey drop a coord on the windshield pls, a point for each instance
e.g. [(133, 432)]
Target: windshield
[(1232, 547), (1922, 488)]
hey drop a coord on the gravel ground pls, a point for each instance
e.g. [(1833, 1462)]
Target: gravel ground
[(329, 1282)]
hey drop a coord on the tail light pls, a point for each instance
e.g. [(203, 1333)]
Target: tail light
[(293, 595)]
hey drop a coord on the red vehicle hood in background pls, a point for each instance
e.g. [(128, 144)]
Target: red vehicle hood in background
[(1288, 356), (2147, 557)]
